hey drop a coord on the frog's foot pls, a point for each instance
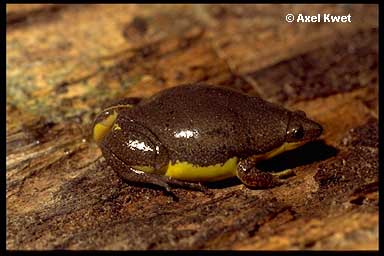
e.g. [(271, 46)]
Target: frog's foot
[(255, 178), (183, 184), (131, 174)]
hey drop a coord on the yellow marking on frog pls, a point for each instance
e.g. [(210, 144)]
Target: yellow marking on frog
[(116, 127), (102, 128), (191, 172), (283, 148)]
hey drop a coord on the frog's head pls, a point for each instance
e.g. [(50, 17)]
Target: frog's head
[(301, 129), (122, 139)]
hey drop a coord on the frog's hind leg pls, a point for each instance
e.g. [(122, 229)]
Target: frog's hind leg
[(130, 174), (107, 117), (125, 103), (253, 177), (131, 101)]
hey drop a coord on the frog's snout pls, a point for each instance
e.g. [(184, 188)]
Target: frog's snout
[(313, 129)]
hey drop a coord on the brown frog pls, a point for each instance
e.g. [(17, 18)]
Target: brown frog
[(198, 133)]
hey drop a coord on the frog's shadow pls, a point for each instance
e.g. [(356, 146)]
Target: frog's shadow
[(311, 152)]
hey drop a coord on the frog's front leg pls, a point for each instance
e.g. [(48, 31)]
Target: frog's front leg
[(252, 177)]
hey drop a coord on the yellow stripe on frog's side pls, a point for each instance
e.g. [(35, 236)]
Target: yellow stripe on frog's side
[(190, 172)]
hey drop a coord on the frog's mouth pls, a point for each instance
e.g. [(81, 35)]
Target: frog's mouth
[(287, 146)]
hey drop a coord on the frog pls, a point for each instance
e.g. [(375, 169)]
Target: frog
[(193, 134)]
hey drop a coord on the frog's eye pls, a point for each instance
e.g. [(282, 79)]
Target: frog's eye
[(297, 133)]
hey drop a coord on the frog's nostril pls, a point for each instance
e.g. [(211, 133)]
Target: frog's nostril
[(316, 129)]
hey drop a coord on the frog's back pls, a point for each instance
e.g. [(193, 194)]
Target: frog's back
[(205, 125)]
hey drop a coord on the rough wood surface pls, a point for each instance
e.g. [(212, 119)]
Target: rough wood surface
[(64, 62)]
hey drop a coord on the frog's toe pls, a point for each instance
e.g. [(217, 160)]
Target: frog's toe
[(203, 188), (187, 185), (260, 180), (284, 174)]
